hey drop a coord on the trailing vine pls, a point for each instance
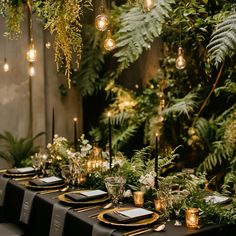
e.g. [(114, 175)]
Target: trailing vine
[(63, 18)]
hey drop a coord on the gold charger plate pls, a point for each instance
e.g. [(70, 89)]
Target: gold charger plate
[(7, 174), (142, 222), (67, 200), (38, 187)]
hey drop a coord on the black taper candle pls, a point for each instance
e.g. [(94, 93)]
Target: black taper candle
[(53, 123), (75, 134), (109, 135), (156, 161)]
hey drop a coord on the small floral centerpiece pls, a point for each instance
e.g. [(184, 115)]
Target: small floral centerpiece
[(61, 153)]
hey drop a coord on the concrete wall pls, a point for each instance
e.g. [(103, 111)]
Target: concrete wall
[(15, 96)]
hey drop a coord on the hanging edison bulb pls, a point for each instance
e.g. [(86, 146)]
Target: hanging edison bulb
[(5, 65), (32, 71), (101, 20), (31, 54), (148, 4), (180, 61), (109, 43)]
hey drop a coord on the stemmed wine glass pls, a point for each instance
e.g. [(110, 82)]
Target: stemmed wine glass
[(178, 198), (66, 173), (115, 187)]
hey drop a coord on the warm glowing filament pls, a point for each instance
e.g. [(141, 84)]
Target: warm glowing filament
[(109, 43), (75, 119), (148, 4), (31, 53), (6, 66), (180, 61), (32, 71), (101, 22)]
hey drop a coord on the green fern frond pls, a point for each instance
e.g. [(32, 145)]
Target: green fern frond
[(181, 106), (223, 41), (229, 87), (122, 135), (142, 154), (138, 29)]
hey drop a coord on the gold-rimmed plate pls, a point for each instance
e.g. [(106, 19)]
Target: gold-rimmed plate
[(18, 175), (143, 222), (67, 200), (38, 187)]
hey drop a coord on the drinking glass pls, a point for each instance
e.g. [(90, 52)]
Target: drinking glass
[(66, 173), (177, 202), (115, 187)]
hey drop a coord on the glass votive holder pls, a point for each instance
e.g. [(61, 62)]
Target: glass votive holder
[(139, 199), (159, 204), (192, 217)]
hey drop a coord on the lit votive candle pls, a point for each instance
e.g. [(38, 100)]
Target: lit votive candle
[(82, 179), (139, 199), (191, 217), (159, 204)]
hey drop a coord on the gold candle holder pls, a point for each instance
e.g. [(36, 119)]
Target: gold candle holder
[(191, 217), (159, 204), (82, 179), (139, 199)]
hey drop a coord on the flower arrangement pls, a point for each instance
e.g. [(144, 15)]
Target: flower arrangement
[(61, 153)]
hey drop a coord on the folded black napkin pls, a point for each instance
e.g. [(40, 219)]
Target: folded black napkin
[(128, 216), (24, 170), (84, 196), (48, 181)]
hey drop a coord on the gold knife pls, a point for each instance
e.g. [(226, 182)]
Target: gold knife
[(134, 231)]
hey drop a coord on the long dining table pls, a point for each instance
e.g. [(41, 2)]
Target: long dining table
[(78, 223)]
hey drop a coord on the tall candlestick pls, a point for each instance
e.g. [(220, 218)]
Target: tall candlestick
[(75, 133), (109, 135), (53, 123), (156, 161)]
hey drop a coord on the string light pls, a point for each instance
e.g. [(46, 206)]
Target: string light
[(5, 65), (109, 43), (148, 4), (31, 54), (101, 20), (180, 61), (32, 71)]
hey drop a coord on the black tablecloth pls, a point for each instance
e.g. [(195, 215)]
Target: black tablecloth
[(79, 224)]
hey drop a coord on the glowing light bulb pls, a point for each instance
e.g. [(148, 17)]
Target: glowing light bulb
[(180, 61), (101, 22), (109, 43), (32, 71), (6, 66), (31, 54), (148, 4)]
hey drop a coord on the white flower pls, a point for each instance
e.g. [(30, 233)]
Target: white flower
[(127, 193), (148, 180)]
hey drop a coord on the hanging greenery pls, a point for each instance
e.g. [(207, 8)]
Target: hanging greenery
[(63, 19), (13, 12)]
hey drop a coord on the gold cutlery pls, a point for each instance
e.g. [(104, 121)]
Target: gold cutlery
[(156, 228), (107, 206), (134, 231), (54, 190)]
